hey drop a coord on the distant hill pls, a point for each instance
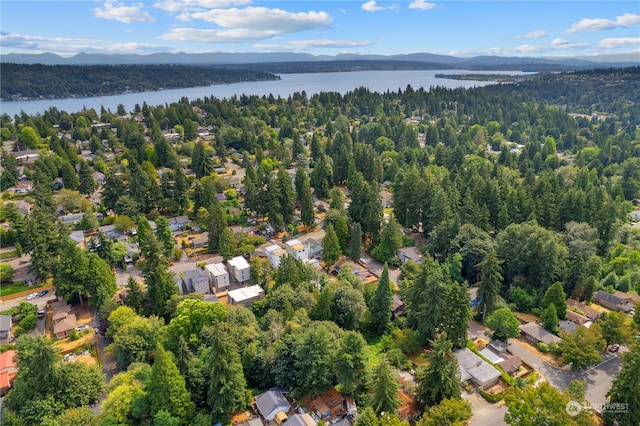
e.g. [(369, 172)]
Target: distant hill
[(478, 62)]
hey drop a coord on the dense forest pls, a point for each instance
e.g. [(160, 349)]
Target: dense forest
[(522, 190), (69, 81)]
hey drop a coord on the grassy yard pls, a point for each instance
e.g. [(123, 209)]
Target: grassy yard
[(8, 254), (19, 287)]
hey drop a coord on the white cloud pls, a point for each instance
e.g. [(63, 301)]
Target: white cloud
[(559, 42), (422, 5), (534, 34), (191, 5), (217, 36), (265, 19), (599, 24), (301, 45), (613, 43), (371, 6), (122, 13)]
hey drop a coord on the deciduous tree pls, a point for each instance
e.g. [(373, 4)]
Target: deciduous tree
[(503, 323)]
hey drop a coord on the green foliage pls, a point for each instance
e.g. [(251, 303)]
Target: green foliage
[(503, 323), (439, 379), (549, 318), (489, 285), (582, 348), (555, 295), (384, 388), (626, 390), (450, 412), (330, 247), (380, 304)]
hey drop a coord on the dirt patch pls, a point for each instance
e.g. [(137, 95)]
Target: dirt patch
[(498, 387), (553, 360)]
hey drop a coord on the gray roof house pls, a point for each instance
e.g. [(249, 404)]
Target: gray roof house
[(410, 253), (5, 324), (178, 223), (536, 334), (476, 369), (271, 403), (196, 280), (612, 302)]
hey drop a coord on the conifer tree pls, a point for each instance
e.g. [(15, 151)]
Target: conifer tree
[(380, 304), (167, 389), (626, 390), (555, 294), (350, 362), (355, 241), (384, 388), (549, 318), (330, 246), (86, 182), (439, 379), (489, 285)]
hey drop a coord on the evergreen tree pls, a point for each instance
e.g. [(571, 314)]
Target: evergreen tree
[(227, 391), (315, 360), (9, 175), (425, 300), (350, 362), (555, 294), (164, 235), (549, 318), (286, 195), (42, 239), (390, 241), (323, 310), (228, 244), (355, 241), (489, 285), (342, 232), (201, 161), (321, 177), (439, 379), (215, 226), (456, 320), (307, 211), (384, 388), (625, 390), (135, 296), (380, 305), (180, 187), (330, 247), (367, 417), (86, 182), (167, 389)]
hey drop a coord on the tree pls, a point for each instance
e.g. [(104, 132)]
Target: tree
[(390, 241), (503, 323), (87, 185), (342, 231), (455, 322), (614, 329), (215, 226), (29, 137), (78, 384), (227, 391), (450, 412), (349, 307), (135, 340), (228, 244), (286, 195), (439, 379), (6, 272), (367, 417), (167, 389), (425, 300), (330, 247), (88, 222), (380, 305), (43, 236), (355, 241), (541, 405), (549, 318), (384, 388), (350, 362), (625, 390), (582, 348), (489, 285), (555, 294), (314, 360), (164, 235)]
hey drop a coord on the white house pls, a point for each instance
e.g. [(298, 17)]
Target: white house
[(218, 276), (239, 269), (297, 250), (274, 254), (245, 295)]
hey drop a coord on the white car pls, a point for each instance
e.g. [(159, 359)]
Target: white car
[(82, 327), (32, 296)]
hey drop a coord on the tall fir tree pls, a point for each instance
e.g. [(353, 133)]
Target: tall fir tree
[(380, 305), (87, 183), (355, 241), (350, 362), (489, 285), (163, 233), (384, 388), (439, 379), (425, 300), (625, 391), (455, 322), (330, 247), (216, 223)]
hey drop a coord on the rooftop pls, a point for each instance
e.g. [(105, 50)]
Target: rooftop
[(238, 262), (246, 293), (216, 269), (477, 368)]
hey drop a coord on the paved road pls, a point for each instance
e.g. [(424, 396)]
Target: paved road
[(485, 413), (39, 301)]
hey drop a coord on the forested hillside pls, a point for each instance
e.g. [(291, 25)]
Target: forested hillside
[(522, 190), (69, 81)]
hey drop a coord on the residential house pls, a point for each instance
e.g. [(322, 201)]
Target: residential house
[(296, 249), (397, 306), (26, 157), (98, 177), (631, 298), (110, 231), (24, 207), (301, 420), (5, 326), (21, 188), (511, 363), (245, 296), (72, 218), (178, 223), (612, 302), (314, 248), (239, 269), (201, 241), (536, 334), (321, 206), (218, 276), (270, 403), (410, 253), (274, 254), (567, 326), (329, 405), (592, 314), (8, 370), (62, 318), (475, 369), (408, 410), (577, 318), (196, 280)]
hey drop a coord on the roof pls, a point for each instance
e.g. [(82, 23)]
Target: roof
[(567, 326), (478, 369), (270, 403), (178, 220), (239, 262), (5, 322), (576, 317), (510, 363), (613, 299), (246, 293), (7, 359), (539, 333), (491, 355), (498, 346), (332, 398), (216, 269), (295, 244), (66, 324), (194, 275), (631, 298), (411, 253), (301, 420), (274, 249), (396, 303), (592, 314)]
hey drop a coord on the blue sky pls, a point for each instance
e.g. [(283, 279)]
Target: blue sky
[(460, 28)]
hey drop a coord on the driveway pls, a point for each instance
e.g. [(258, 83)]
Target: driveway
[(485, 413)]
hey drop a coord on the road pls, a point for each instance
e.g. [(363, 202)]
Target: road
[(38, 301)]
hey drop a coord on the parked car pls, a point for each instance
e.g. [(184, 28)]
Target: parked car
[(43, 293), (82, 327), (614, 348), (32, 296), (41, 313)]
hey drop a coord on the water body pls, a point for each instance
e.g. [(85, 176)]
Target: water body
[(342, 82)]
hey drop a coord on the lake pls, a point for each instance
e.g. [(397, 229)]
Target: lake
[(342, 82)]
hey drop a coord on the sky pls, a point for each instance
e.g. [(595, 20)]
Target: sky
[(452, 27)]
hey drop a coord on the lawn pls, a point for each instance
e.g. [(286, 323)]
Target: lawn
[(8, 254), (19, 287)]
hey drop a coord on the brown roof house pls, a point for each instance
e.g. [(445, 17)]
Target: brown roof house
[(8, 370), (536, 334), (63, 320), (592, 314)]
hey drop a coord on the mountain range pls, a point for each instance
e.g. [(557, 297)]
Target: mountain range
[(222, 58)]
